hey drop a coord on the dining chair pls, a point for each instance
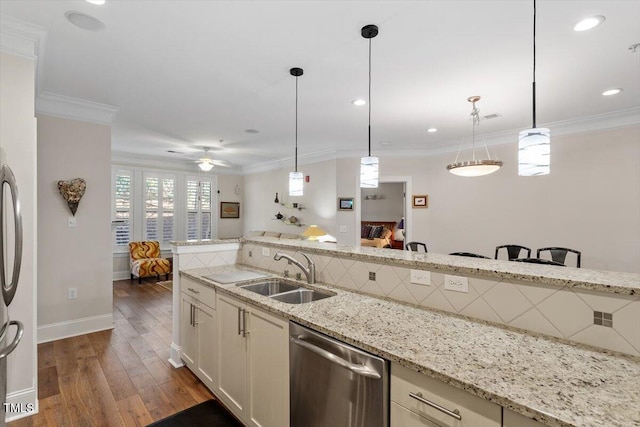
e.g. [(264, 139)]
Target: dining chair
[(413, 246), (469, 254), (559, 254), (539, 261), (513, 251)]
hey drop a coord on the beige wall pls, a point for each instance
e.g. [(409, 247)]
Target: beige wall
[(590, 201), (388, 204), (230, 227), (18, 141), (319, 199), (77, 257)]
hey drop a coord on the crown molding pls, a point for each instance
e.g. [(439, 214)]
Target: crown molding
[(23, 39), (138, 160), (270, 165), (51, 104)]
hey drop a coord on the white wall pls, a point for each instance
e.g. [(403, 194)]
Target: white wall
[(319, 199), (77, 257), (18, 141)]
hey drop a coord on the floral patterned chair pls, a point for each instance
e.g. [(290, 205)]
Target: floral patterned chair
[(145, 261)]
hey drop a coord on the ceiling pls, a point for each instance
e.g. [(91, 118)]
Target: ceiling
[(189, 74)]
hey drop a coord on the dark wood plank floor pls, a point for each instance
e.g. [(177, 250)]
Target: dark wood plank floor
[(119, 377)]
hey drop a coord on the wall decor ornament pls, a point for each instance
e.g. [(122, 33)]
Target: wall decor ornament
[(72, 191)]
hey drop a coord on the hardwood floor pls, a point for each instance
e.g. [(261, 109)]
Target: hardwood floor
[(119, 377)]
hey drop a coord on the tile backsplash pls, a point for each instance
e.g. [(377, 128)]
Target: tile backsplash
[(561, 312)]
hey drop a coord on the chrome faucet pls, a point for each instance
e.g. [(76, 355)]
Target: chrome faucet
[(309, 271)]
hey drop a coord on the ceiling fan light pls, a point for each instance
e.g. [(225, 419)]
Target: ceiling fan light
[(296, 180), (534, 152), (205, 164), (369, 172)]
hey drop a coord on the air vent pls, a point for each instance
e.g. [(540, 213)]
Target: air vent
[(492, 116), (84, 21)]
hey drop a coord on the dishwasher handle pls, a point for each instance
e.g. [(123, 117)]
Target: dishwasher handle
[(362, 370)]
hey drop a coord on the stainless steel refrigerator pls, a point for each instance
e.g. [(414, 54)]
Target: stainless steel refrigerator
[(10, 260)]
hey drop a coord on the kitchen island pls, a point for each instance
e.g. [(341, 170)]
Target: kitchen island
[(553, 381)]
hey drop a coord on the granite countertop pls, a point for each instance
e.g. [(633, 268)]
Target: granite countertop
[(204, 242), (556, 383), (597, 280)]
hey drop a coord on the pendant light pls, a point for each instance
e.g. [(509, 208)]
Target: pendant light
[(369, 165), (534, 145), (474, 167), (296, 178)]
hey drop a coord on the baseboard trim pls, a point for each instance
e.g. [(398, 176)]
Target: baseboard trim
[(174, 357), (25, 401), (121, 275), (72, 328)]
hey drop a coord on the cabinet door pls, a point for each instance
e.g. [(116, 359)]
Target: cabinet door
[(188, 340), (268, 370), (207, 356), (232, 354), (511, 419)]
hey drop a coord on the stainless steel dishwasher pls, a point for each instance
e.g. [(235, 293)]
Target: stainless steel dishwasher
[(334, 384)]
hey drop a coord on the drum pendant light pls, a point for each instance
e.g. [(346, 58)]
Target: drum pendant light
[(534, 145), (369, 165), (296, 178)]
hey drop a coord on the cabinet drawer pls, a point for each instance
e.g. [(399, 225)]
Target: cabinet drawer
[(402, 417), (202, 293), (474, 411)]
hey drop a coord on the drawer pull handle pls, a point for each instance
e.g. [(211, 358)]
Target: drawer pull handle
[(455, 413), (194, 291)]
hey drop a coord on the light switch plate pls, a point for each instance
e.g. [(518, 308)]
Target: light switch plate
[(72, 222), (456, 283), (421, 277), (265, 252)]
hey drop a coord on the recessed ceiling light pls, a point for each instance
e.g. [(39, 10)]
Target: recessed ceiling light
[(359, 102), (612, 92), (84, 21), (589, 23), (98, 2), (432, 130), (251, 130)]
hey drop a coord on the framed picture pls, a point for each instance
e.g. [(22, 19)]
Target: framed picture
[(229, 210), (420, 201), (345, 203)]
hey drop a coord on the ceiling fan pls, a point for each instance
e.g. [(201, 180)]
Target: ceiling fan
[(205, 162)]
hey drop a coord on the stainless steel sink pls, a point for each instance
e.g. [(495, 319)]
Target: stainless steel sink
[(300, 296), (271, 287)]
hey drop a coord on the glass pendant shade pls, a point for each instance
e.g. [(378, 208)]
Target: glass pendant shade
[(474, 167), (369, 172), (296, 180), (534, 152)]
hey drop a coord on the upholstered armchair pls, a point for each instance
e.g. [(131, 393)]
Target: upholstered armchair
[(145, 261)]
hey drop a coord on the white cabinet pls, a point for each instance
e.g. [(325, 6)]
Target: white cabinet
[(419, 400), (198, 330), (512, 419), (253, 358)]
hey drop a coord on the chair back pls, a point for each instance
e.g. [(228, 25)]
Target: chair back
[(413, 246), (144, 250), (539, 261), (560, 254), (469, 254), (513, 251)]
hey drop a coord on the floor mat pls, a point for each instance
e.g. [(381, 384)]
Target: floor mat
[(206, 414), (168, 284)]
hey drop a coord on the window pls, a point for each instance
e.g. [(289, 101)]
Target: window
[(159, 207), (122, 208), (199, 209)]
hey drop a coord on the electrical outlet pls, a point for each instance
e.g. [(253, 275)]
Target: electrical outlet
[(250, 254), (343, 228), (603, 319), (421, 277), (72, 293), (266, 252), (372, 276), (456, 283)]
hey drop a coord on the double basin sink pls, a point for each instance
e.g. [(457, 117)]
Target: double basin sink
[(285, 292)]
